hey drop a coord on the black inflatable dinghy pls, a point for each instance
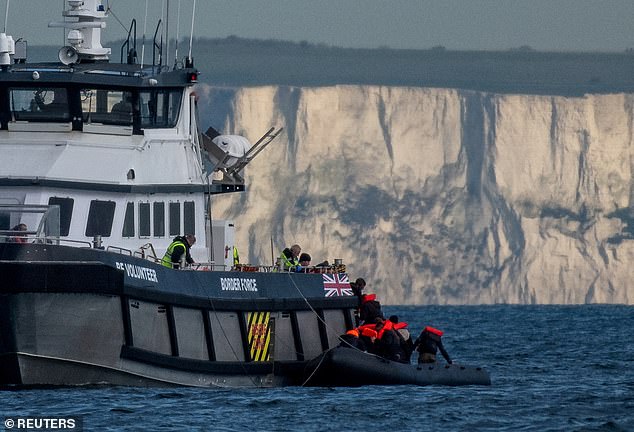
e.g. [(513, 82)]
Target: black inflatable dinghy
[(349, 367)]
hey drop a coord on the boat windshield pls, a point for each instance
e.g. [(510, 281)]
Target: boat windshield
[(39, 104), (159, 108), (145, 109), (112, 107)]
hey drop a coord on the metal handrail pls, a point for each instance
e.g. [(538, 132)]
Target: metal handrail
[(120, 250)]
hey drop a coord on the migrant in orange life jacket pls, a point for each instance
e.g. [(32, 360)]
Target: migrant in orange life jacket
[(428, 343), (371, 333), (368, 297), (353, 332), (387, 325), (370, 308), (367, 326), (434, 330), (400, 325)]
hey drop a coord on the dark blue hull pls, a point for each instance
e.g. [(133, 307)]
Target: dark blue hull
[(72, 316)]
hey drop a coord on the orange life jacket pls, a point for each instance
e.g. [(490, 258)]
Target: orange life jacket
[(367, 326), (368, 332), (400, 325), (434, 331), (368, 297), (387, 325)]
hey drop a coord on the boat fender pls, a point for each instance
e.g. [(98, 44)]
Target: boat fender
[(433, 331)]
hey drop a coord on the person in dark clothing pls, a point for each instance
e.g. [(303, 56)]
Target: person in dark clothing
[(177, 250), (368, 337), (352, 340), (388, 343), (370, 309), (407, 345), (357, 288), (20, 236), (428, 344)]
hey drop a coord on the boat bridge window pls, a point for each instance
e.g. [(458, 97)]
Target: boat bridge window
[(159, 108), (189, 216), (175, 218), (65, 213), (44, 104), (144, 219), (111, 107), (128, 221), (5, 221), (100, 217), (159, 219)]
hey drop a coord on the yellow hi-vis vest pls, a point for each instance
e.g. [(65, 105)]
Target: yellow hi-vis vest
[(236, 256), (288, 263), (167, 258)]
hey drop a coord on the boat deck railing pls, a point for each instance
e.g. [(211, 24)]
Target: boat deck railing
[(147, 252), (40, 224)]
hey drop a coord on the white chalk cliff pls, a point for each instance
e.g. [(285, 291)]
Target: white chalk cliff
[(441, 196)]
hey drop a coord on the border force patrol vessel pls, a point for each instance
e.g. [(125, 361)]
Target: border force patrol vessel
[(101, 165)]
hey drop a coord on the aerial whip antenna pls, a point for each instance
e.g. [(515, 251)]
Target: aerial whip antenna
[(167, 33), (144, 30), (6, 17), (191, 34), (178, 25)]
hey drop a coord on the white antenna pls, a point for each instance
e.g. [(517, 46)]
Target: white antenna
[(144, 30), (6, 17), (63, 29), (191, 33), (167, 33), (178, 25)]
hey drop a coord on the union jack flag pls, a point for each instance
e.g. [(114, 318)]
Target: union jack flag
[(337, 284)]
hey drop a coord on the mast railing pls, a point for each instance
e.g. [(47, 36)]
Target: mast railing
[(131, 53)]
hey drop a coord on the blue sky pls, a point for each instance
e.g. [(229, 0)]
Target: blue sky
[(548, 25)]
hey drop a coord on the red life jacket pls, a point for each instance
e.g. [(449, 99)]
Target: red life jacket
[(368, 297), (368, 332), (367, 326), (400, 325), (433, 330), (387, 325), (353, 332)]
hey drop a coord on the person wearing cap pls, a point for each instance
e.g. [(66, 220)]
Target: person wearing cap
[(177, 253), (304, 260), (304, 263)]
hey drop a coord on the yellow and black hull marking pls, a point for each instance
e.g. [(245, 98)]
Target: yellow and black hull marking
[(259, 335)]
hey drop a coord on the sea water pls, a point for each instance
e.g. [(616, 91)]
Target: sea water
[(553, 368)]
